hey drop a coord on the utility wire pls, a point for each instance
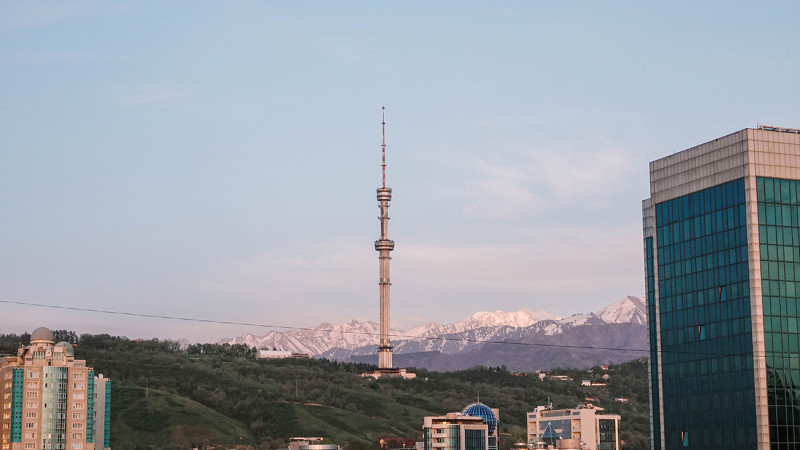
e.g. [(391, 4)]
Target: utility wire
[(285, 327)]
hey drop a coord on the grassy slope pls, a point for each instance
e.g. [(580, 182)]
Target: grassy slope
[(162, 419)]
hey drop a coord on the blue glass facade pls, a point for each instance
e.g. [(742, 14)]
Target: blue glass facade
[(474, 440), (779, 235), (90, 407), (17, 381), (107, 417), (650, 285), (704, 313), (54, 407)]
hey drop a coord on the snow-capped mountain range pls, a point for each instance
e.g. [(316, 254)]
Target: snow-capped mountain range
[(348, 340)]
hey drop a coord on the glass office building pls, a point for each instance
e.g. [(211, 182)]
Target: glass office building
[(722, 271)]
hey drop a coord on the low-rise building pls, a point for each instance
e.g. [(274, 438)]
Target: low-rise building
[(474, 428), (595, 431), (310, 443)]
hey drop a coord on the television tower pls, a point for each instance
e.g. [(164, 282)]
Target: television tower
[(384, 245)]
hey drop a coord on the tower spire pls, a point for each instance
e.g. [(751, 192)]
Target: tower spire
[(383, 146)]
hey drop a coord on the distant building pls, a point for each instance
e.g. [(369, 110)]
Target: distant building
[(584, 424), (560, 378), (393, 442), (50, 400), (310, 443), (474, 428), (278, 354)]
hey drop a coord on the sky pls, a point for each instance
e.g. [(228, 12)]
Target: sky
[(219, 160)]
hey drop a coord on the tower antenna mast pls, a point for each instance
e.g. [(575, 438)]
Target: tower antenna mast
[(383, 146)]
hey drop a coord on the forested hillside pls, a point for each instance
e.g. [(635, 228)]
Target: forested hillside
[(166, 395)]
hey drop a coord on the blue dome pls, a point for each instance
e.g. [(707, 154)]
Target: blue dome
[(484, 412)]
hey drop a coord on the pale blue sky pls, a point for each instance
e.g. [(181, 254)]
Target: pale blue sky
[(219, 159)]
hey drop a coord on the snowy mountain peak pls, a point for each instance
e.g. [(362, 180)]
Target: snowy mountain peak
[(517, 319), (628, 310)]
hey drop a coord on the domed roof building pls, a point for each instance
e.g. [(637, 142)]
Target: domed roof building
[(473, 428), (478, 409), (49, 378)]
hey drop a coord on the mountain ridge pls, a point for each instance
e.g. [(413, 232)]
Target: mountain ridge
[(354, 338)]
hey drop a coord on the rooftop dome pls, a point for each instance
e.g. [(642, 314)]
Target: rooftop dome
[(42, 334), (484, 412), (69, 349)]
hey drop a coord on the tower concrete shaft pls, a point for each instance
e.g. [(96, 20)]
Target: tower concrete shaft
[(384, 245)]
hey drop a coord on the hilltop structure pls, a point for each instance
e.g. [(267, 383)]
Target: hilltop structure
[(50, 400), (384, 246), (722, 259)]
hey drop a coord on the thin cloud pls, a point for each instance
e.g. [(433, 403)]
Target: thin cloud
[(521, 184)]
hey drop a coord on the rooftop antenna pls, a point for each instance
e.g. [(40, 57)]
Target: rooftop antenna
[(383, 146)]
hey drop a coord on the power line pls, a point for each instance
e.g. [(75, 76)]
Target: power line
[(285, 327)]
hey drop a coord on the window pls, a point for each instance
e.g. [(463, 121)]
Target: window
[(30, 445), (31, 404), (77, 426), (32, 394), (701, 332), (79, 376), (77, 406), (78, 396), (78, 386), (685, 438), (33, 384), (30, 414), (77, 445), (77, 435), (30, 425), (77, 415)]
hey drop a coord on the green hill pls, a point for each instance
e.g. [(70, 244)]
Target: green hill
[(219, 395), (144, 418)]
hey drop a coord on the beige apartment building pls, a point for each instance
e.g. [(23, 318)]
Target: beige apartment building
[(50, 400), (586, 424)]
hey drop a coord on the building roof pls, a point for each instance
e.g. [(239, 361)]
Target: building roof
[(67, 346), (42, 334), (478, 409)]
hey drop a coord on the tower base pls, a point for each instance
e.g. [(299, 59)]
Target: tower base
[(394, 372)]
